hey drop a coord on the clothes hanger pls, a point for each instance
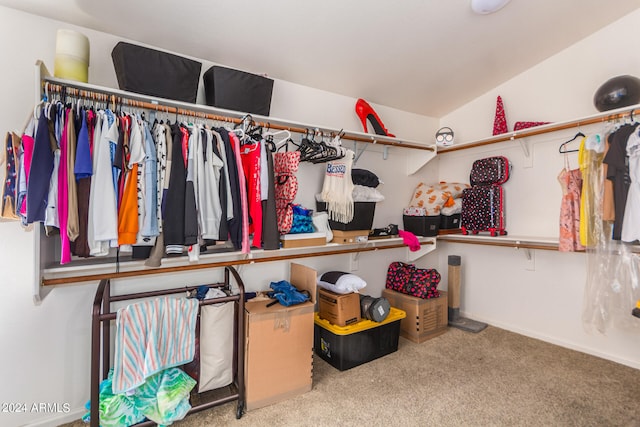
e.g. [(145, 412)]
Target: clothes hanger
[(562, 149), (283, 141)]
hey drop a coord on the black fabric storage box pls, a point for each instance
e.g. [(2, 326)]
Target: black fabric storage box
[(237, 90), (151, 72), (448, 222), (363, 213), (426, 226)]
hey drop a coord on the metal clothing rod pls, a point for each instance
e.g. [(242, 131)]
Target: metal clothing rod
[(120, 97)]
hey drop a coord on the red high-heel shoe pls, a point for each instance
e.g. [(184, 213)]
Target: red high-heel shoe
[(365, 112)]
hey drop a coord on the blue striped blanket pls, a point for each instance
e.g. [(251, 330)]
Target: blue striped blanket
[(152, 336)]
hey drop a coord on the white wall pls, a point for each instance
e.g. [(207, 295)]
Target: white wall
[(45, 357), (542, 298)]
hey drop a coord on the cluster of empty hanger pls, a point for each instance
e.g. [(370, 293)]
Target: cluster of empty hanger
[(311, 150), (594, 142), (321, 151)]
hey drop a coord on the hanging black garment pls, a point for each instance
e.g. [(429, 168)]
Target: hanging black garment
[(40, 174), (618, 172), (190, 211), (270, 233), (235, 224), (173, 225)]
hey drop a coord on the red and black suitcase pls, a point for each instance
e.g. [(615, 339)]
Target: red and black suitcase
[(483, 203), (483, 210), (490, 170)]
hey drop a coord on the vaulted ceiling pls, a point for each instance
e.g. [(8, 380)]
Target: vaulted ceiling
[(424, 56)]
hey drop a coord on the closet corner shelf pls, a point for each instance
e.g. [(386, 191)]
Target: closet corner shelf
[(83, 273), (610, 115), (517, 242)]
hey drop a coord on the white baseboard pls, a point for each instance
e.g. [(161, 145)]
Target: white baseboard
[(554, 340), (58, 419)]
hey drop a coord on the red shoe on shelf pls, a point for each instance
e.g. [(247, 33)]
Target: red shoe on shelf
[(365, 112)]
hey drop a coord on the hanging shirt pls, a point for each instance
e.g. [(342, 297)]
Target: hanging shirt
[(192, 150), (9, 191), (618, 172), (63, 194), (150, 221), (83, 169), (631, 221), (173, 214), (209, 206), (130, 205), (250, 156), (38, 187), (235, 221), (590, 203), (72, 228), (28, 143), (244, 213)]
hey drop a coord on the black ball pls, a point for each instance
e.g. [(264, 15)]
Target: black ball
[(617, 92)]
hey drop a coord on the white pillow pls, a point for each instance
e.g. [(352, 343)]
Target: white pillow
[(341, 283)]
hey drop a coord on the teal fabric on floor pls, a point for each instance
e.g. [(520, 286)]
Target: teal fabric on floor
[(163, 398)]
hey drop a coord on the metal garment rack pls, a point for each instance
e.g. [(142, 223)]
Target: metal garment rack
[(100, 342)]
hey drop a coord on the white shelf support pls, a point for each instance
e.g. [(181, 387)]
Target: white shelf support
[(358, 154), (416, 159), (424, 249), (526, 149)]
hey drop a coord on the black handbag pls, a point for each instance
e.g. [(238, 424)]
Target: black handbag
[(237, 90)]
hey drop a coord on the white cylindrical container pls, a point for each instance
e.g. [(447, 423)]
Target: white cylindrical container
[(72, 56)]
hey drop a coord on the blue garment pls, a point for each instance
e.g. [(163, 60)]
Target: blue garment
[(84, 166), (40, 173), (287, 294)]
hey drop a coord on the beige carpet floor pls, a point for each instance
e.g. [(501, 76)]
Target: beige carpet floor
[(492, 378)]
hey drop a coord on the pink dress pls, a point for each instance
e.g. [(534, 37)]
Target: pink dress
[(571, 183)]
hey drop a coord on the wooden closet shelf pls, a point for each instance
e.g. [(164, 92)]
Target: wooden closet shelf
[(64, 275), (517, 242), (612, 115)]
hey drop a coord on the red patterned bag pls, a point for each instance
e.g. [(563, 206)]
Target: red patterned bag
[(408, 279), (285, 166)]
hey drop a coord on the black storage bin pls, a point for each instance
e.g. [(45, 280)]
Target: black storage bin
[(427, 226), (151, 72), (345, 347), (448, 222), (363, 213), (237, 90)]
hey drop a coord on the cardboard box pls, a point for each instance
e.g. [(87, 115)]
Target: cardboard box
[(279, 345), (426, 318), (355, 236), (301, 240), (347, 346), (339, 309)]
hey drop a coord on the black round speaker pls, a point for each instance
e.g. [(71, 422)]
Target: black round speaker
[(375, 309), (617, 92)]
